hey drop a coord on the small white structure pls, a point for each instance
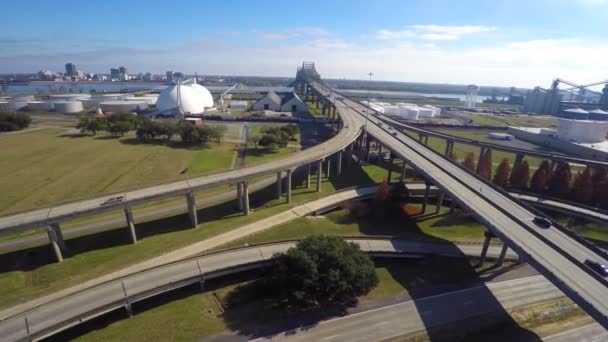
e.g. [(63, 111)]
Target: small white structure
[(123, 106), (239, 105), (292, 103), (68, 106), (471, 97), (500, 136), (151, 101), (425, 112), (271, 101), (38, 106)]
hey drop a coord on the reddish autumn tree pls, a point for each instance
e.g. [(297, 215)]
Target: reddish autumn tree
[(469, 162), (501, 178), (559, 184), (582, 189), (484, 168), (541, 177), (520, 175), (599, 178)]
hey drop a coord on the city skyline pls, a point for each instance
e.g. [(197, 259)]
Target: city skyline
[(503, 43)]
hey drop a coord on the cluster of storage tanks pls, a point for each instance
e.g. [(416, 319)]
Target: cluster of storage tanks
[(75, 103), (404, 110), (583, 126)]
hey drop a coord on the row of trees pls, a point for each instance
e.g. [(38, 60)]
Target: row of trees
[(276, 136), (589, 186), (147, 130), (14, 121)]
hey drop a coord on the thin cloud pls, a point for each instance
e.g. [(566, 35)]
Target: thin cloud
[(297, 32), (432, 32)]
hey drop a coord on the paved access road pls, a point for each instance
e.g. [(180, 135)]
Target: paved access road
[(61, 313), (554, 253), (588, 333), (425, 313)]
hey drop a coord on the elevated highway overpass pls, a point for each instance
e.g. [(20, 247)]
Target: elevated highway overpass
[(554, 252)]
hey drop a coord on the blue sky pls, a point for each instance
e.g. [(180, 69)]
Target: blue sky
[(522, 43)]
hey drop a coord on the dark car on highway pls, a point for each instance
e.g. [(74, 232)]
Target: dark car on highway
[(597, 267), (542, 222)]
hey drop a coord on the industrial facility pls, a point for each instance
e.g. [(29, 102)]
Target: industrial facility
[(408, 111), (554, 100)]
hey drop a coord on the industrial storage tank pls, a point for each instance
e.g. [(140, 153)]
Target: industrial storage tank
[(185, 97), (89, 103), (23, 98), (436, 110), (123, 106), (68, 97), (582, 131), (598, 115), (149, 100), (575, 114), (7, 106), (424, 112), (38, 106), (68, 106)]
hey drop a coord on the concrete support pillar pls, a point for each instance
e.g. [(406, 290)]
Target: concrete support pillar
[(503, 254), (245, 198), (56, 240), (425, 201), (484, 249), (518, 159), (426, 139), (349, 155), (367, 145), (452, 206), (308, 177), (288, 186), (390, 168), (339, 170), (319, 170), (420, 137), (439, 203), (379, 151), (449, 146), (328, 165), (131, 224), (239, 195), (403, 170), (279, 190), (192, 209), (482, 151)]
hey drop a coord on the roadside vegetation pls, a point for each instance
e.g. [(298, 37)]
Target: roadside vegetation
[(14, 121)]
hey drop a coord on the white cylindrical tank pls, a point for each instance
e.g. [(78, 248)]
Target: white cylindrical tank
[(38, 106), (6, 106), (68, 106), (24, 98), (149, 100), (424, 112), (68, 97), (582, 131), (122, 106), (89, 103)]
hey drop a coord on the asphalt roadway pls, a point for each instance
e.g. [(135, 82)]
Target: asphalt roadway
[(556, 255)]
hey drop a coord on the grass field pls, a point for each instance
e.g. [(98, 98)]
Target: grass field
[(27, 274), (455, 227), (40, 168), (511, 120)]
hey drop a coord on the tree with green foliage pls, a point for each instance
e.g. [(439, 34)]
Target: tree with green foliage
[(14, 121), (541, 177), (520, 175), (253, 139), (469, 162), (484, 168), (92, 124), (559, 183), (583, 189), (119, 128), (322, 269), (501, 178)]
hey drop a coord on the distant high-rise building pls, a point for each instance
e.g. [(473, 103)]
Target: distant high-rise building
[(123, 70), (70, 69), (114, 73), (169, 75)]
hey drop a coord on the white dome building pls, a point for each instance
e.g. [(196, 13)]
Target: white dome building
[(190, 100), (204, 93)]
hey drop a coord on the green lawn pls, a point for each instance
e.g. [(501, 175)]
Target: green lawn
[(28, 274), (40, 168), (455, 227), (314, 110)]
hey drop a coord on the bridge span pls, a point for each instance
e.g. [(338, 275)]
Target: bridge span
[(555, 252)]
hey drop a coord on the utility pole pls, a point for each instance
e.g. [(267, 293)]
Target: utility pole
[(369, 98)]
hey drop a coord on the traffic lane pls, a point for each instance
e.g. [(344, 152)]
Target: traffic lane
[(588, 333), (578, 280)]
